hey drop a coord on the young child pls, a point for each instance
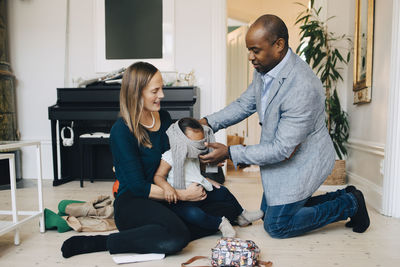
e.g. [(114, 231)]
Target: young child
[(180, 166)]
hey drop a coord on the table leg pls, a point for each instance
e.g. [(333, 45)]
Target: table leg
[(54, 148), (40, 187), (81, 153), (91, 164), (13, 188)]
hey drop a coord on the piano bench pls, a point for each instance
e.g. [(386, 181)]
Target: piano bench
[(88, 141)]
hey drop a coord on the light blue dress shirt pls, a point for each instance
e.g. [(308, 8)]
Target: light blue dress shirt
[(268, 78)]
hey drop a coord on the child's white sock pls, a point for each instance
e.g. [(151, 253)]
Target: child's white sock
[(248, 217), (226, 228)]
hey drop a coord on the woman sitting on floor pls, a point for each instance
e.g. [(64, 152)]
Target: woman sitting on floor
[(138, 139)]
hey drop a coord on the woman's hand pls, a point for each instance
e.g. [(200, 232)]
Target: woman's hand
[(170, 195), (194, 192), (214, 183)]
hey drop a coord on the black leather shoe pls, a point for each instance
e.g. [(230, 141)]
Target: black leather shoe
[(360, 219)]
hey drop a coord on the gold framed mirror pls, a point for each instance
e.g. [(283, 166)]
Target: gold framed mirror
[(363, 51)]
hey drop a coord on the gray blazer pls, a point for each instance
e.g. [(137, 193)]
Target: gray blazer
[(295, 114)]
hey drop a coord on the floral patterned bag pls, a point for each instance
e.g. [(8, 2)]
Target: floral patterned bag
[(234, 252)]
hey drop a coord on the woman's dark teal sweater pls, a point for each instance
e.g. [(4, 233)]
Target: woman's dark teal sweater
[(135, 164)]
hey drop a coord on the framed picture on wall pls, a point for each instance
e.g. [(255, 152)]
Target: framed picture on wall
[(127, 31), (363, 51)]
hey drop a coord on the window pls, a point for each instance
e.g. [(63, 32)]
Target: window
[(127, 31), (133, 29)]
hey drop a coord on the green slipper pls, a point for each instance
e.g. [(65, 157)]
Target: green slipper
[(63, 205), (54, 221)]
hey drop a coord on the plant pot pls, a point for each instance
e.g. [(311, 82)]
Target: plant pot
[(338, 175)]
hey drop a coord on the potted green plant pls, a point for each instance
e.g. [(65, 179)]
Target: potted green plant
[(321, 51)]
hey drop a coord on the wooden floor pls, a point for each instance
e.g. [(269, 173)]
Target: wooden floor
[(333, 245)]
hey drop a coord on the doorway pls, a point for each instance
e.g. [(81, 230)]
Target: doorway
[(240, 14)]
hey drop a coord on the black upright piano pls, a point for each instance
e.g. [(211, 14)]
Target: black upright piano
[(95, 109)]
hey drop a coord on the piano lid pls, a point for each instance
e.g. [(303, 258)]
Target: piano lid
[(102, 103), (107, 94)]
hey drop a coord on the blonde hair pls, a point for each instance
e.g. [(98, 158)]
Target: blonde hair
[(136, 77)]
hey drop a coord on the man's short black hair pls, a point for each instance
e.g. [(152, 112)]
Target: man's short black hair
[(274, 28)]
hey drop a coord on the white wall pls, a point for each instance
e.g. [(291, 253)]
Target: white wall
[(193, 44), (37, 55), (367, 121), (36, 32)]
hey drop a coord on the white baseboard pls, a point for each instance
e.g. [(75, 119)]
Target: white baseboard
[(372, 192)]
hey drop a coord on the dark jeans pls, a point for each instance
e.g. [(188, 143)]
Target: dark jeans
[(289, 220), (192, 212)]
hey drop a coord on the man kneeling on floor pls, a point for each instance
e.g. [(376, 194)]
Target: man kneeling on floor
[(295, 153)]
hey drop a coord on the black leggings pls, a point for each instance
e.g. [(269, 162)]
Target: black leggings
[(146, 226)]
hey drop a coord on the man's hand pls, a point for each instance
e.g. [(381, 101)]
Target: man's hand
[(203, 121), (219, 154)]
